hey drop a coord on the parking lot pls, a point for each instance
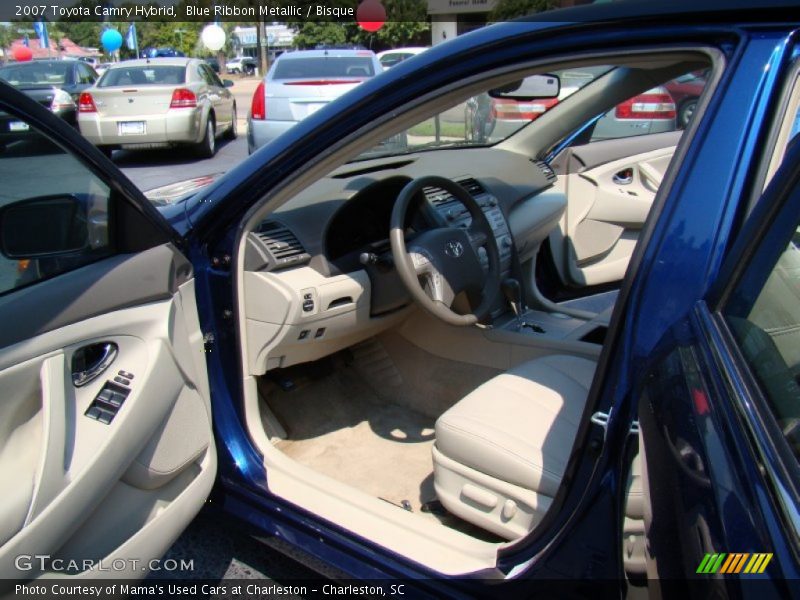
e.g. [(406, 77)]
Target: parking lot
[(149, 169)]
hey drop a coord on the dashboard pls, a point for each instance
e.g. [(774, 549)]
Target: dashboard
[(306, 261)]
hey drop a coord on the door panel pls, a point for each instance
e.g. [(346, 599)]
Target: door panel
[(82, 488), (607, 205)]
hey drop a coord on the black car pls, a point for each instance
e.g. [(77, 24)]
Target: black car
[(56, 84)]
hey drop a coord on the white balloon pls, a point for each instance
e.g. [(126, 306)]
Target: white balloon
[(213, 37)]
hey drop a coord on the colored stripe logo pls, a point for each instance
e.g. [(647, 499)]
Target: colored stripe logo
[(736, 562)]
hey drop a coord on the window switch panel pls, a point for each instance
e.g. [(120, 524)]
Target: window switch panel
[(107, 403)]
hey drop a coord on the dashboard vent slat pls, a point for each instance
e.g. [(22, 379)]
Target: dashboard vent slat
[(546, 170), (282, 245), (442, 199), (473, 186)]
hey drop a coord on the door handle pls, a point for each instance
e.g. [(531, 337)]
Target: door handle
[(624, 177), (90, 361)]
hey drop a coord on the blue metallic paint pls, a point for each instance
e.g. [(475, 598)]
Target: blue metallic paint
[(581, 539)]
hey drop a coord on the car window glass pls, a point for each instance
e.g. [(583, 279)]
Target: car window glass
[(663, 108), (766, 324), (85, 74), (37, 73), (211, 77), (34, 167), (332, 66), (144, 75), (484, 119), (788, 132)]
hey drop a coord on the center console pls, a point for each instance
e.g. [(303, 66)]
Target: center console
[(452, 212), (556, 325)]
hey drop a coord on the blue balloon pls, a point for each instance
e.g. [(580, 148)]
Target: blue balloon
[(111, 40)]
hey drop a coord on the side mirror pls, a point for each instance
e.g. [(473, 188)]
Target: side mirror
[(227, 83), (43, 227), (535, 87)]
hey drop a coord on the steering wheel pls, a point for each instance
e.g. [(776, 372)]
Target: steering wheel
[(446, 259)]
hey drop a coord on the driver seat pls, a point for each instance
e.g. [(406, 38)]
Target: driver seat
[(501, 451)]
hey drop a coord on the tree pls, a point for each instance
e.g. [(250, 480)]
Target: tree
[(505, 10), (7, 35), (310, 34), (83, 33), (406, 24)]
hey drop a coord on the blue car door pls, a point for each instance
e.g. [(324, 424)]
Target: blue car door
[(720, 416), (106, 445)]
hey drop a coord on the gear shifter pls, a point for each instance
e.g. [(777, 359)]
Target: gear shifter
[(513, 293), (512, 290)]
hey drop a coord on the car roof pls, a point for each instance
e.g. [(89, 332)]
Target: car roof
[(409, 50), (33, 63), (325, 53), (174, 61)]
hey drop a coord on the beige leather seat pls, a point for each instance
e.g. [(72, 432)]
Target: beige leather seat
[(501, 451)]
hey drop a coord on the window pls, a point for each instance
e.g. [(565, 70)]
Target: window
[(315, 68), (150, 75), (663, 108), (40, 177), (788, 130), (766, 324), (209, 76), (85, 74)]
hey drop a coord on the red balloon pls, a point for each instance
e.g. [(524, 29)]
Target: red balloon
[(371, 15), (22, 53)]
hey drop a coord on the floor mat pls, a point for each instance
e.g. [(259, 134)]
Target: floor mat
[(338, 426), (366, 418)]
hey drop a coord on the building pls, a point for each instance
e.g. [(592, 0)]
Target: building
[(451, 18), (65, 48), (278, 38)]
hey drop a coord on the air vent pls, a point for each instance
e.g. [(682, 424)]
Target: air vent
[(439, 197), (282, 245), (443, 199), (474, 188), (546, 170)]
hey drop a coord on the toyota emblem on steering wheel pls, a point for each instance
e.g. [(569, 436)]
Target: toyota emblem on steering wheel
[(454, 248)]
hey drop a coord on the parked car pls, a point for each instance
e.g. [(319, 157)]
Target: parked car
[(158, 102), (56, 84), (391, 398), (489, 118), (165, 52), (213, 62), (300, 83), (241, 64), (102, 68), (390, 58), (686, 91)]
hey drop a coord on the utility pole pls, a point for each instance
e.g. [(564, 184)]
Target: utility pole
[(261, 38)]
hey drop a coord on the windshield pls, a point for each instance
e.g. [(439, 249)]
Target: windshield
[(36, 74), (482, 120), (144, 75)]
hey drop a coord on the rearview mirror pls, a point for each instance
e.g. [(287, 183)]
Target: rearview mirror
[(43, 227), (535, 87), (227, 83)]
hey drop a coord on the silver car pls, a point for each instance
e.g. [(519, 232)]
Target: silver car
[(158, 102), (300, 83)]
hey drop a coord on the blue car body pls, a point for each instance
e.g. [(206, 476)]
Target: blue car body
[(667, 362), (697, 223)]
